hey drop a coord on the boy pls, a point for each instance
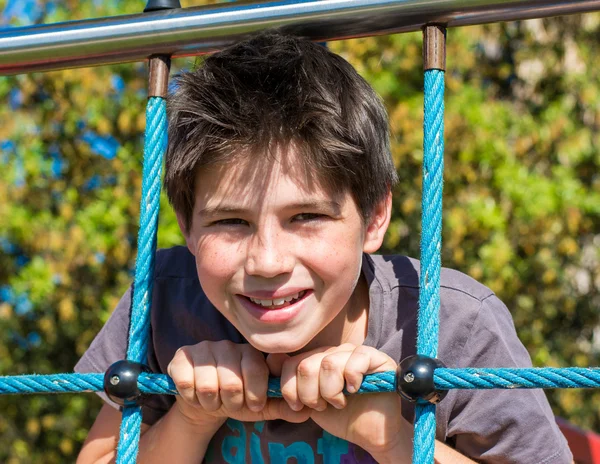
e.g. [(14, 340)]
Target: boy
[(280, 173)]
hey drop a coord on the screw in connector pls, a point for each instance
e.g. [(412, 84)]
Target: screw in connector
[(121, 381), (415, 379)]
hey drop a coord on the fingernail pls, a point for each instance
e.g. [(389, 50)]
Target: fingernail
[(350, 388), (296, 406)]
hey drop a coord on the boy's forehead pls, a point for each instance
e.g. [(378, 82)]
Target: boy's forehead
[(248, 179)]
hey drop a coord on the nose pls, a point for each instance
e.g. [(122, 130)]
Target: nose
[(268, 254)]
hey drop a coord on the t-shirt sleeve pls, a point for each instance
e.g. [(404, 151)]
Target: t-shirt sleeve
[(502, 426), (110, 346)]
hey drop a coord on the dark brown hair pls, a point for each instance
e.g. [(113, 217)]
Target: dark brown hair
[(279, 90)]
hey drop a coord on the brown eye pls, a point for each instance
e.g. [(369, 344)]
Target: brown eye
[(230, 222), (308, 216)]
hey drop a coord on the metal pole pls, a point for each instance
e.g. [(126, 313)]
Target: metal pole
[(194, 31)]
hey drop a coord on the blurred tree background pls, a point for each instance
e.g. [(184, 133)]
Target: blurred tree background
[(522, 198)]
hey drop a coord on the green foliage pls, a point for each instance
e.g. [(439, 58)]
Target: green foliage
[(522, 203)]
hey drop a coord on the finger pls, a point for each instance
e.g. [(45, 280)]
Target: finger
[(275, 362), (307, 378), (181, 370), (231, 387), (289, 385), (277, 408), (289, 380), (331, 379), (207, 385), (365, 360), (255, 377)]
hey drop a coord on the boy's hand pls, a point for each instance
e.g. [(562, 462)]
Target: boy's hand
[(316, 379), (217, 380)]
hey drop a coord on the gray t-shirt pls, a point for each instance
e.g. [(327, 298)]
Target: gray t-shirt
[(476, 330)]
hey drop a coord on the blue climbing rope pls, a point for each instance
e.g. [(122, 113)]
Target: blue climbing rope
[(444, 379), (155, 144), (431, 246)]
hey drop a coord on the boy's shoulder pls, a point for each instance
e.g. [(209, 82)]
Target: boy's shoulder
[(176, 262), (398, 271), (466, 308)]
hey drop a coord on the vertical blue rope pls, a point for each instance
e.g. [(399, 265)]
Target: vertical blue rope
[(431, 246), (139, 329)]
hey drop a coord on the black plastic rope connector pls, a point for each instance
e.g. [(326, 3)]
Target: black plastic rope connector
[(121, 382), (157, 5), (414, 379)]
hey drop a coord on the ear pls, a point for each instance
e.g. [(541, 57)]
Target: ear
[(378, 224), (189, 241)]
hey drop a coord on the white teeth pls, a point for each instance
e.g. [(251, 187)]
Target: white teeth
[(262, 302), (277, 301)]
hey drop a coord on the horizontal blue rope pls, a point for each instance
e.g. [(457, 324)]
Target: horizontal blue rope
[(510, 378), (444, 379)]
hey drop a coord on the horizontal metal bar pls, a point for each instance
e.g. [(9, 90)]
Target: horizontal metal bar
[(194, 31)]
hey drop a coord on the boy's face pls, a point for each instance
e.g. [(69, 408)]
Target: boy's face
[(279, 255)]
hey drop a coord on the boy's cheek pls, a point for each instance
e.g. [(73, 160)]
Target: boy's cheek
[(214, 277), (217, 260)]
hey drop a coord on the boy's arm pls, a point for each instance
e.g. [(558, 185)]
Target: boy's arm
[(171, 439), (215, 380), (501, 426), (444, 454), (402, 452)]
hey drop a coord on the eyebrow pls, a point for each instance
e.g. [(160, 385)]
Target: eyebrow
[(319, 205)]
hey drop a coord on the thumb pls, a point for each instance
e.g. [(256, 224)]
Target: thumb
[(277, 408), (275, 362)]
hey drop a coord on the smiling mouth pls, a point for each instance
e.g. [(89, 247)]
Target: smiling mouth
[(277, 303)]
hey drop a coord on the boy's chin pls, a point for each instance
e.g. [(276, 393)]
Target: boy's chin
[(273, 345)]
